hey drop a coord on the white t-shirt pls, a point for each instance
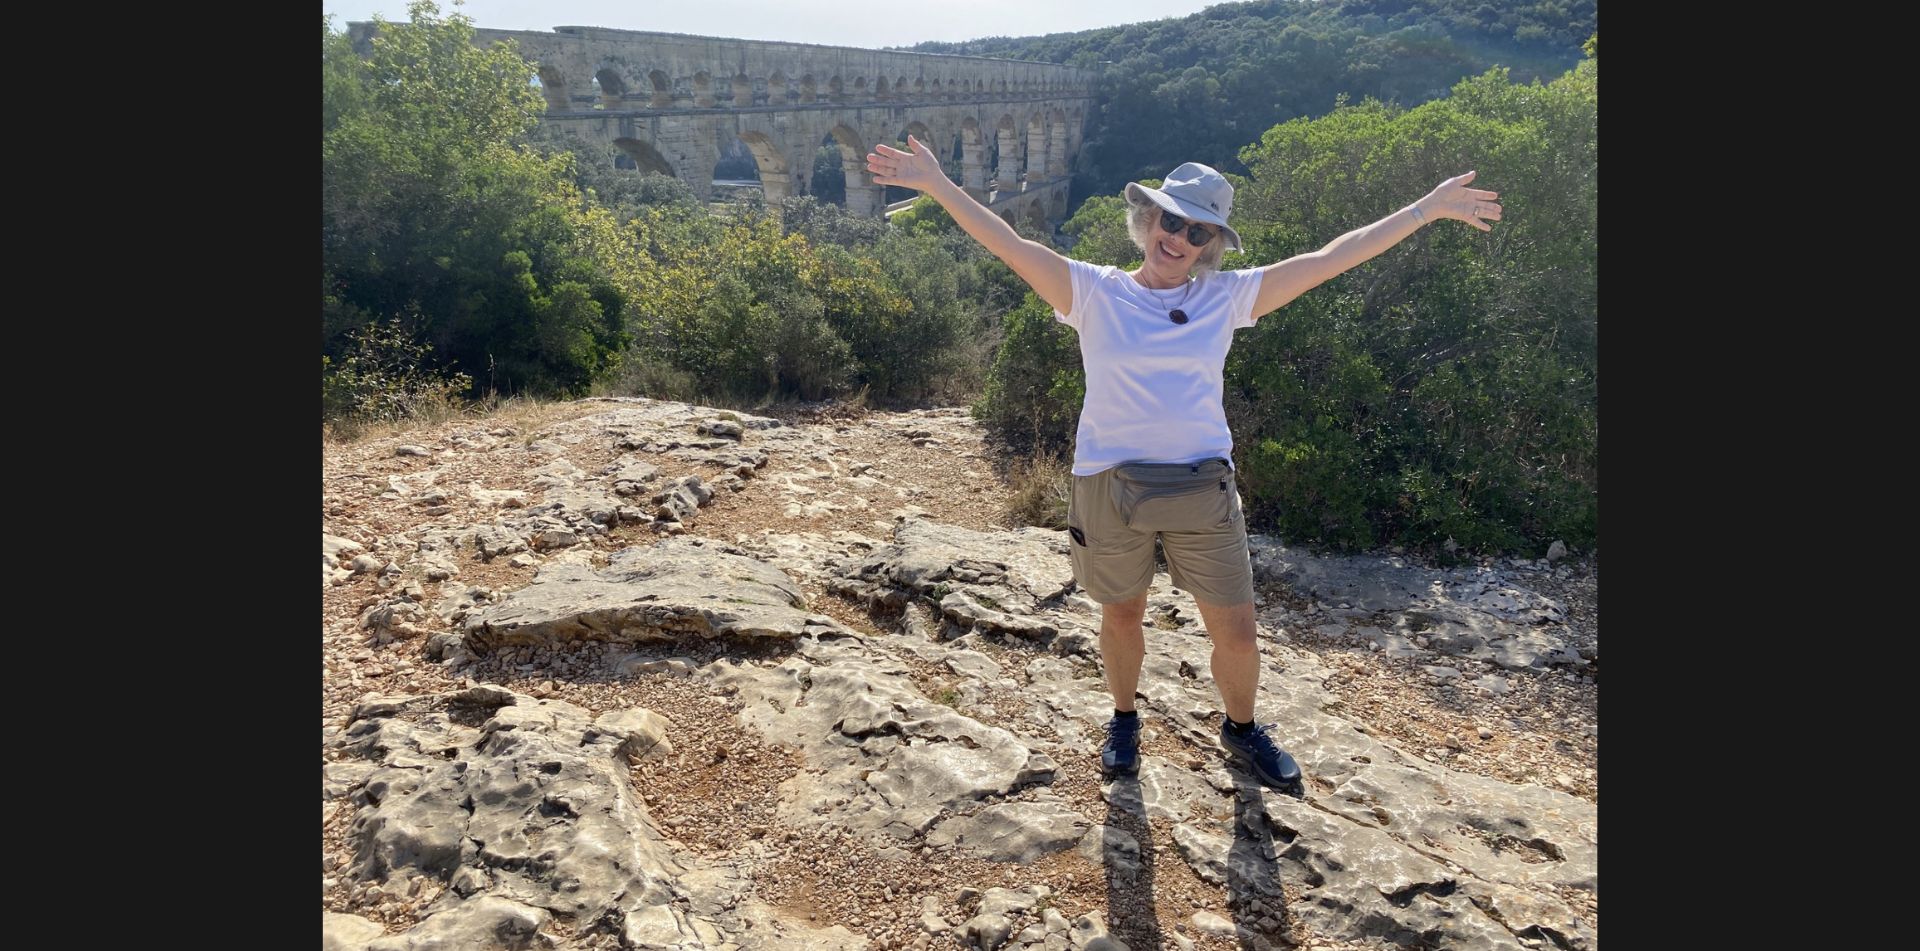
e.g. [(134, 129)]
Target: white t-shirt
[(1154, 387)]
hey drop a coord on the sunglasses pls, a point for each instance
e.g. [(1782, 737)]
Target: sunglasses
[(1196, 235)]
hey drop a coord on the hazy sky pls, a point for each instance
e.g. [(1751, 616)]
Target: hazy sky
[(873, 23)]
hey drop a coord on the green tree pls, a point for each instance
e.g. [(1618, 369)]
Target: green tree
[(925, 217), (1448, 388), (1034, 391), (829, 176), (1099, 229), (624, 191), (437, 213)]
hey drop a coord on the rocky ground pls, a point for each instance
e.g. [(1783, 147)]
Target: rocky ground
[(635, 674)]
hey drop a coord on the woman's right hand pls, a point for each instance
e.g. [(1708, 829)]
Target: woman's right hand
[(1040, 266), (918, 169)]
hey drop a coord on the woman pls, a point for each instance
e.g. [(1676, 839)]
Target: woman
[(1151, 455)]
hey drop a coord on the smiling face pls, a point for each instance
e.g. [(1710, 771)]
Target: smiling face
[(1181, 241), (1171, 256)]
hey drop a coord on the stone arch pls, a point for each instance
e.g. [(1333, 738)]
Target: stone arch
[(1056, 142), (860, 89), (767, 154), (973, 157), (612, 87), (836, 90), (703, 90), (807, 92), (1036, 147), (742, 90), (645, 157), (852, 146), (880, 88), (777, 88), (662, 90), (734, 160), (920, 88), (553, 87), (863, 197), (1037, 216), (900, 87), (1006, 166)]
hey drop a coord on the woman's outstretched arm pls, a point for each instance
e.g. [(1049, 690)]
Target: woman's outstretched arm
[(1040, 266), (1286, 280)]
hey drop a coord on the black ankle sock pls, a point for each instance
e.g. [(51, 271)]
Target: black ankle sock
[(1239, 729), (1130, 714)]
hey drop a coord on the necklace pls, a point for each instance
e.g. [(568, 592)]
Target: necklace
[(1175, 314)]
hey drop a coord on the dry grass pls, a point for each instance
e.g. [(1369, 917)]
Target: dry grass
[(1042, 487), (521, 413)]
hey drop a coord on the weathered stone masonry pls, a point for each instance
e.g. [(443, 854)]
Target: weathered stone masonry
[(669, 100)]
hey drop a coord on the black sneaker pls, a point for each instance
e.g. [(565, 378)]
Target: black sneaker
[(1120, 754), (1271, 765)]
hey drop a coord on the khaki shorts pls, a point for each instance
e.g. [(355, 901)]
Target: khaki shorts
[(1193, 508)]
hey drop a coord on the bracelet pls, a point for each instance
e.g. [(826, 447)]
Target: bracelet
[(1418, 215)]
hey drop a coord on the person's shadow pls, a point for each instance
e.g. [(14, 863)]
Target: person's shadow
[(1255, 900), (1127, 858)]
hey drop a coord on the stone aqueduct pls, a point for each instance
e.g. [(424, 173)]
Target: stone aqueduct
[(668, 101)]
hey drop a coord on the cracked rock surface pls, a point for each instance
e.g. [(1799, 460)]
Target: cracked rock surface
[(577, 697)]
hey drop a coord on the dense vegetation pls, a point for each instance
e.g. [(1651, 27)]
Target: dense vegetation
[(458, 243), (1199, 88), (1448, 388), (1445, 389)]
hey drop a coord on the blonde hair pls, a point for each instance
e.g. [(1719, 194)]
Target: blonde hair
[(1143, 222)]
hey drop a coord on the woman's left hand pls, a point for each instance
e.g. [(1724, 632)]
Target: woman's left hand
[(1453, 199)]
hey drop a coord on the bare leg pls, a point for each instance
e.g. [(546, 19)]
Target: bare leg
[(1236, 655), (1123, 646)]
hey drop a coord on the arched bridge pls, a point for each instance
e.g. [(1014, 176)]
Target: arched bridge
[(1007, 131)]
